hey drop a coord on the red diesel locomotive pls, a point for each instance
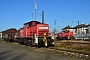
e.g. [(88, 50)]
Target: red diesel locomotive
[(33, 33), (65, 35)]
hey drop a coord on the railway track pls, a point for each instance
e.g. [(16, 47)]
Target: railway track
[(70, 53), (76, 42)]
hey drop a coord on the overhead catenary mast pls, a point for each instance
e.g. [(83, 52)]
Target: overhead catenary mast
[(35, 7), (42, 16)]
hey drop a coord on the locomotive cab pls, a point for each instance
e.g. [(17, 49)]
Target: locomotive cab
[(35, 27), (31, 23)]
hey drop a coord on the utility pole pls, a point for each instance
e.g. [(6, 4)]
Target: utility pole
[(55, 33), (82, 33), (55, 21), (59, 27), (55, 27), (42, 17), (78, 28)]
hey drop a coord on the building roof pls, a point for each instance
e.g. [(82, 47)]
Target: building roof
[(67, 27), (80, 26)]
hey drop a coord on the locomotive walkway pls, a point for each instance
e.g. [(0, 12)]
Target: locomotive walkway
[(10, 51)]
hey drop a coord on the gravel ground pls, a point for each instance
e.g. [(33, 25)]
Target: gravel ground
[(12, 51)]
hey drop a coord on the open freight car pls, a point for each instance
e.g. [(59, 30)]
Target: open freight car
[(9, 34), (32, 34)]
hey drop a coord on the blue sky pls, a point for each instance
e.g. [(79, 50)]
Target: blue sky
[(14, 13)]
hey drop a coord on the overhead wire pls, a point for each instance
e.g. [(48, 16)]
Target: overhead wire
[(68, 20)]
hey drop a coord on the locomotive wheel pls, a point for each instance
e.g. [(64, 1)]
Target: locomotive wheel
[(6, 40), (29, 43), (39, 43), (20, 43), (39, 46)]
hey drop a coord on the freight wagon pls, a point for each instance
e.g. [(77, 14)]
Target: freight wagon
[(9, 34)]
